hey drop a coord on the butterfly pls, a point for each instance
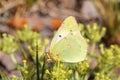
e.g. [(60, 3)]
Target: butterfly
[(68, 45)]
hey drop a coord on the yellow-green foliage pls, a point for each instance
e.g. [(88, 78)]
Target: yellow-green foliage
[(8, 44), (107, 59), (27, 35), (101, 76), (59, 72), (82, 67), (94, 32)]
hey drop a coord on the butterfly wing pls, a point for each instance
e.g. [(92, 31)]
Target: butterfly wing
[(70, 49), (68, 26)]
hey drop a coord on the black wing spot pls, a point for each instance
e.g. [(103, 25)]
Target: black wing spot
[(60, 36)]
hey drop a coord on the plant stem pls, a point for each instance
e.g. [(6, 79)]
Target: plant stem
[(13, 58), (37, 63), (92, 49), (23, 52), (20, 46), (43, 69), (58, 66)]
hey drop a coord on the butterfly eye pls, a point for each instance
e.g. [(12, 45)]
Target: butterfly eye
[(60, 36)]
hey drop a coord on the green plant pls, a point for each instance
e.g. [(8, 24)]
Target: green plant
[(109, 12), (27, 35), (94, 33), (101, 76), (47, 69), (59, 72), (9, 46), (108, 60)]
